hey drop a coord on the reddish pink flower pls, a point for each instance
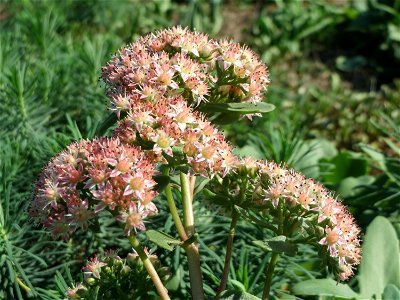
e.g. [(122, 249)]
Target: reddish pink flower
[(133, 218), (177, 60), (88, 177), (93, 269), (298, 200), (171, 124)]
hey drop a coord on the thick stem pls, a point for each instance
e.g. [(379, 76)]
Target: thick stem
[(187, 204), (196, 278), (268, 273), (228, 255), (174, 211), (162, 291), (192, 251)]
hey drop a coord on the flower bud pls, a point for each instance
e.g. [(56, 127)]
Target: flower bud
[(206, 50), (106, 270), (91, 281), (125, 271), (133, 260)]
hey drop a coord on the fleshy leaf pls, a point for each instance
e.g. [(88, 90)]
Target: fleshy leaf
[(162, 239), (380, 265), (174, 282), (242, 108), (200, 186), (328, 287), (391, 292), (277, 244), (236, 295)]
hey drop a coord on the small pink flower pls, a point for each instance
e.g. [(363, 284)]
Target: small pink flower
[(93, 269), (121, 166), (81, 215), (163, 143), (72, 293), (273, 194), (138, 186), (133, 218)]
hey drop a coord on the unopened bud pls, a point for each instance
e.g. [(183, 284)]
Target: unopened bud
[(125, 270), (91, 281)]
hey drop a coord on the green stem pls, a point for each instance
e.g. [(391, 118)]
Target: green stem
[(196, 278), (268, 273), (162, 291), (274, 258), (192, 251), (174, 211), (228, 255), (188, 216), (280, 219)]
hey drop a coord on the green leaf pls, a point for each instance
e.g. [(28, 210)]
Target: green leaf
[(326, 287), (225, 118), (236, 295), (200, 186), (238, 285), (242, 108), (208, 194), (277, 244), (174, 282), (345, 164), (348, 187), (318, 149), (391, 292), (380, 265), (162, 239)]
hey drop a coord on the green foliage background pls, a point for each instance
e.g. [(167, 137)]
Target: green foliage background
[(335, 71)]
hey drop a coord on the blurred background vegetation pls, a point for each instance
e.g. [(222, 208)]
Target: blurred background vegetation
[(335, 81)]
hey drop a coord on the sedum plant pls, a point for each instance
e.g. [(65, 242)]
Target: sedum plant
[(110, 277), (167, 92)]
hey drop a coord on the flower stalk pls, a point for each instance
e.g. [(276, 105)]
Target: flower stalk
[(173, 209), (228, 255), (192, 251), (275, 256), (269, 271), (162, 291), (187, 203)]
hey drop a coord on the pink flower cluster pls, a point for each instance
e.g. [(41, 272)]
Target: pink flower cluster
[(90, 176), (178, 61), (272, 188), (340, 234), (171, 129)]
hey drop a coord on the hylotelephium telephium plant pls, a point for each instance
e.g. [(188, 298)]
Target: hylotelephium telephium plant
[(167, 90)]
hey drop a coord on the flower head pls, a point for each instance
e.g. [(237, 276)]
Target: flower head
[(264, 186), (179, 61), (173, 129), (90, 176)]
